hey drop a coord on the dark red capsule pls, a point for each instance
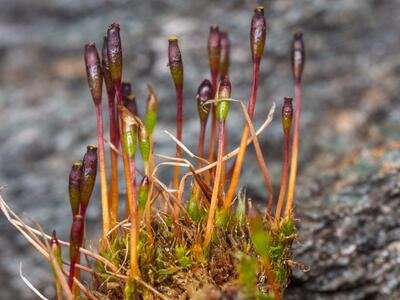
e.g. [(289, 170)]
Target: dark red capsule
[(214, 49), (114, 52), (94, 72), (175, 61), (106, 68), (89, 172), (204, 93), (258, 32), (225, 53), (298, 56)]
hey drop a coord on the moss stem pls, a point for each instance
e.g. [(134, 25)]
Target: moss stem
[(214, 197), (295, 148), (103, 176)]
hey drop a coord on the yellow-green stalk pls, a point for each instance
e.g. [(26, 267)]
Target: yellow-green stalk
[(287, 115), (221, 113), (129, 147), (298, 58), (56, 251)]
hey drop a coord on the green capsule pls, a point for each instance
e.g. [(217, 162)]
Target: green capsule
[(287, 114), (259, 236), (56, 251), (151, 110), (144, 142), (224, 92), (129, 140), (129, 126), (143, 193), (175, 61), (89, 172), (75, 177)]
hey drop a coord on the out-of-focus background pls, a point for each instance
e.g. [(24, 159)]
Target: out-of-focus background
[(348, 194)]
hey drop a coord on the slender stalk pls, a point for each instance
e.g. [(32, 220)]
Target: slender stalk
[(129, 147), (56, 250), (202, 136), (257, 43), (298, 62), (114, 139), (287, 112), (151, 121), (103, 178), (222, 109), (114, 134), (214, 197)]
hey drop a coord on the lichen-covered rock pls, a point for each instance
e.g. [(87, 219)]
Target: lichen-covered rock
[(350, 231)]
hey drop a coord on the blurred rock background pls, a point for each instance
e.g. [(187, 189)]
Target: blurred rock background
[(350, 162)]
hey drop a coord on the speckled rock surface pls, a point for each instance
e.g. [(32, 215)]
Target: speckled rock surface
[(350, 109)]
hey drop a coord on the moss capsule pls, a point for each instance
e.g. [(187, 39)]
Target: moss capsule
[(214, 49), (287, 114), (225, 54), (258, 31), (298, 56), (224, 92), (204, 93), (151, 110), (75, 177), (175, 61), (94, 72), (114, 52), (143, 193), (106, 68), (89, 172), (144, 142)]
